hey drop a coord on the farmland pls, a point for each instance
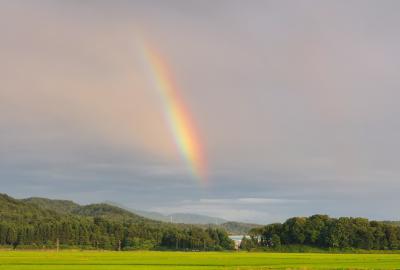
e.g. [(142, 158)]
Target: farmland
[(90, 260)]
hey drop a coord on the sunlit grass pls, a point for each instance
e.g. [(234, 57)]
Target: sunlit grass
[(87, 260)]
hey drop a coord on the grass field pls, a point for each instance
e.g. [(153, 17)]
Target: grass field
[(103, 260)]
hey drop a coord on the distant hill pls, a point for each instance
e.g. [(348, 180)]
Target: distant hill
[(186, 218), (195, 219), (92, 210), (150, 215)]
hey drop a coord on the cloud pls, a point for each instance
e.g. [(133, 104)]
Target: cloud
[(246, 201), (297, 104), (266, 200)]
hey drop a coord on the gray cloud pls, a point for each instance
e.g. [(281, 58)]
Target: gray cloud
[(295, 101)]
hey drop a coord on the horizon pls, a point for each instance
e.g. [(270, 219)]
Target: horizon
[(251, 113), (142, 212)]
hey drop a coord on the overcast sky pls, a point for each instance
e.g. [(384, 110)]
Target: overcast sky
[(296, 102)]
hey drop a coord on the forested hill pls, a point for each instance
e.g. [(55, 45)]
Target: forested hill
[(113, 211), (59, 206), (91, 210), (38, 223), (13, 210)]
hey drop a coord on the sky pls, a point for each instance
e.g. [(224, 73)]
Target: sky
[(294, 105)]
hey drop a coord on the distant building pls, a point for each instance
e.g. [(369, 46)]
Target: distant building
[(237, 239)]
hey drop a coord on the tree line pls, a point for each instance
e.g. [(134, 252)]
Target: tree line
[(100, 233), (326, 232)]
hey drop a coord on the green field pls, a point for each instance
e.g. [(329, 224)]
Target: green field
[(88, 260)]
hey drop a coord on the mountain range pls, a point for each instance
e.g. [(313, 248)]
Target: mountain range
[(116, 211)]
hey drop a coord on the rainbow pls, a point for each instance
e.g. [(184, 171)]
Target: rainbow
[(178, 117)]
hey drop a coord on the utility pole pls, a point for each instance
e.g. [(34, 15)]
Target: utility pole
[(119, 245), (58, 244)]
